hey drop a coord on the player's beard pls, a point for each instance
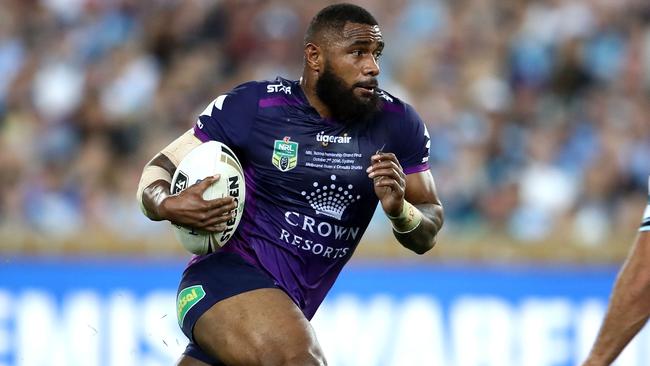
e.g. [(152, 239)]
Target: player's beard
[(344, 105)]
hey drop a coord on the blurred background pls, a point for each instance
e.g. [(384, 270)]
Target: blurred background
[(540, 148)]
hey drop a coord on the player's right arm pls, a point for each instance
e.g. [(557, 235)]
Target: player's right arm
[(629, 305), (188, 207), (226, 119)]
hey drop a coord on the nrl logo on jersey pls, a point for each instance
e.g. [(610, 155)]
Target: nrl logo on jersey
[(285, 154)]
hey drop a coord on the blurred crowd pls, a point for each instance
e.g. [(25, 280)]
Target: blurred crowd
[(538, 111)]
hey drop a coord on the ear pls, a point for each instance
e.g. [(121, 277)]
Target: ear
[(313, 57)]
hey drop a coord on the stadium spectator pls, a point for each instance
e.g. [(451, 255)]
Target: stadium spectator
[(486, 77)]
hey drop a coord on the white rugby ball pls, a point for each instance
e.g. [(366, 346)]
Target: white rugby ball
[(205, 160)]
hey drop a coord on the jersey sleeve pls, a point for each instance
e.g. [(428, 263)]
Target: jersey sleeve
[(413, 151), (645, 222), (229, 117)]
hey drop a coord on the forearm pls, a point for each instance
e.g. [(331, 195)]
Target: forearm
[(153, 198), (613, 339), (419, 236), (155, 186), (156, 177), (629, 306)]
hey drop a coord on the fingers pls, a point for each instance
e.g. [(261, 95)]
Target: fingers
[(387, 172), (216, 213), (210, 215), (384, 156), (384, 161), (213, 221), (207, 182), (392, 184), (224, 207), (216, 223), (385, 165), (223, 204)]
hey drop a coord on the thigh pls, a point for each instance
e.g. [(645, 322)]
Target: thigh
[(258, 327), (213, 279)]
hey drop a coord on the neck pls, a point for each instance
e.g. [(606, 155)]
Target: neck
[(308, 85)]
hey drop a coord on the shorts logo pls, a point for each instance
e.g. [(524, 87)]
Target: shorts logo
[(187, 298), (285, 154)]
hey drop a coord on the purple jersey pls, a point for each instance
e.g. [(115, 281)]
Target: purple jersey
[(308, 196)]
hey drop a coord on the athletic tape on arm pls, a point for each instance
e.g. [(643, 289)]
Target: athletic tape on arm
[(408, 220), (175, 152), (180, 147)]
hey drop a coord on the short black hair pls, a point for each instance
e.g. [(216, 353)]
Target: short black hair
[(334, 17)]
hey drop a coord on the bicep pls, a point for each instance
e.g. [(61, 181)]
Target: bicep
[(421, 189)]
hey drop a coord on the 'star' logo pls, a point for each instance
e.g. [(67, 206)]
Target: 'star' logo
[(274, 88)]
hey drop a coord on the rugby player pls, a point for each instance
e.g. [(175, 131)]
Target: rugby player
[(319, 153), (629, 305)]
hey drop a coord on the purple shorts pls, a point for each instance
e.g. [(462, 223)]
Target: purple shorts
[(216, 277)]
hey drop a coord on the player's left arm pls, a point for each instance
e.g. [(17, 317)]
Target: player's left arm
[(409, 201)]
